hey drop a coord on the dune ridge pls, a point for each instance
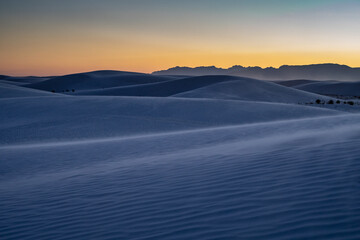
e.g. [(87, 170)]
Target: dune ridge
[(138, 156)]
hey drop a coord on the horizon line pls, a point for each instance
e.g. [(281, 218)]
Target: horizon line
[(178, 66)]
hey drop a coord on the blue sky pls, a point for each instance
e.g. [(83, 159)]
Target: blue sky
[(48, 36)]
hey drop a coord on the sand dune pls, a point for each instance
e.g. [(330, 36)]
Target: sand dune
[(96, 80), (163, 157), (286, 180), (162, 89), (293, 83), (55, 118), (23, 80), (14, 91), (332, 88), (216, 87), (252, 90), (12, 82)]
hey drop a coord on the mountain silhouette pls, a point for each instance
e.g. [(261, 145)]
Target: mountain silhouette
[(328, 71)]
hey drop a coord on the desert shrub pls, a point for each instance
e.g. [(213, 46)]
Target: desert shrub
[(338, 102), (330, 102), (73, 90), (53, 91), (67, 90), (318, 101), (350, 102)]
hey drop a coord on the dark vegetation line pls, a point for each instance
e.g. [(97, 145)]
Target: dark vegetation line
[(67, 90), (319, 101)]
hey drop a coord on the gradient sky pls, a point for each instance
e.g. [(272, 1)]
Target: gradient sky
[(49, 37)]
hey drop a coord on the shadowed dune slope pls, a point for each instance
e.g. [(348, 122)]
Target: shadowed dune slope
[(96, 80), (14, 91), (252, 90), (162, 89), (23, 80), (12, 82), (332, 88), (293, 83)]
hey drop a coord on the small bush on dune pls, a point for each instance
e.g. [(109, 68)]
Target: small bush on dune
[(318, 101), (330, 102), (338, 102), (350, 102)]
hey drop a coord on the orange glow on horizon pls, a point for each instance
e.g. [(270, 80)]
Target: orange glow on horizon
[(42, 64), (62, 37)]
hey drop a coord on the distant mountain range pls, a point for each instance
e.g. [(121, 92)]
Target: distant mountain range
[(327, 71)]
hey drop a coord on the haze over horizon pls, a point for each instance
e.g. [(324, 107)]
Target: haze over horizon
[(51, 38)]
